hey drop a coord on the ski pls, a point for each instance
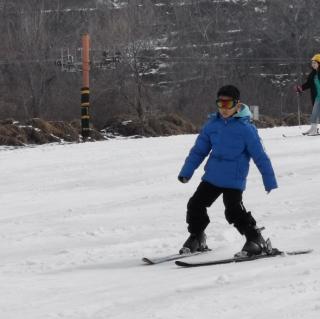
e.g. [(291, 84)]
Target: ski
[(158, 260), (299, 135), (274, 253), (291, 136)]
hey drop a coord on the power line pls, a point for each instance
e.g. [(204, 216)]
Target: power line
[(23, 62), (175, 60)]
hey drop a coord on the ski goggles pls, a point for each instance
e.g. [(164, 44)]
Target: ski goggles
[(226, 104)]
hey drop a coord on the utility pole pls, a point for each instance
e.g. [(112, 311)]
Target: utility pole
[(69, 63), (85, 90)]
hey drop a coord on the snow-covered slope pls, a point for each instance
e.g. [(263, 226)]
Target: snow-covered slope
[(75, 221)]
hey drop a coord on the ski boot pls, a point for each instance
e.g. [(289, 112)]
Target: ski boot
[(255, 244), (313, 130), (195, 242), (313, 133)]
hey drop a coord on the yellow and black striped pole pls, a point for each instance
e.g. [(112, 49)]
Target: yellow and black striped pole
[(85, 91), (85, 117)]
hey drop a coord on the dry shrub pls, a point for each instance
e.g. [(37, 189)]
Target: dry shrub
[(175, 124), (76, 124), (11, 135), (57, 129), (265, 121), (288, 120), (6, 121), (162, 125), (37, 136), (292, 119), (10, 141), (38, 131)]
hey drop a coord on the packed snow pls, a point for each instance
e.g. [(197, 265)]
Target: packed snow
[(76, 219)]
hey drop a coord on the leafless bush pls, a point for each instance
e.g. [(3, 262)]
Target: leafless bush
[(38, 131)]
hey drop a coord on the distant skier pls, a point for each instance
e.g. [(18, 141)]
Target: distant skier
[(313, 83), (232, 141)]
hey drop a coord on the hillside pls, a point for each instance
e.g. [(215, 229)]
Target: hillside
[(171, 56)]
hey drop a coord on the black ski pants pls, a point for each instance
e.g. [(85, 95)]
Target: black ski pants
[(205, 195)]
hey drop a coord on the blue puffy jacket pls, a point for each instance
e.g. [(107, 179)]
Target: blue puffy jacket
[(231, 142)]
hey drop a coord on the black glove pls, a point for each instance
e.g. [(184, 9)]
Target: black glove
[(183, 179)]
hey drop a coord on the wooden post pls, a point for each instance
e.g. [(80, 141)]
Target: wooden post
[(85, 90)]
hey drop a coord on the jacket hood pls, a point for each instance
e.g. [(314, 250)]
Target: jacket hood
[(244, 111)]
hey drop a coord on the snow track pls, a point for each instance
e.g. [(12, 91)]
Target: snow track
[(76, 219)]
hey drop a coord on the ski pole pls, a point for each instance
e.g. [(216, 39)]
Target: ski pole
[(299, 116)]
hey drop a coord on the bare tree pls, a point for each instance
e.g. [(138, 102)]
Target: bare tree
[(173, 56), (27, 55)]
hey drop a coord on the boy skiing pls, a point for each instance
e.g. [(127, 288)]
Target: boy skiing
[(231, 141)]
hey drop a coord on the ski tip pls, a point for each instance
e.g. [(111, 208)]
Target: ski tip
[(147, 261), (299, 252), (181, 263)]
